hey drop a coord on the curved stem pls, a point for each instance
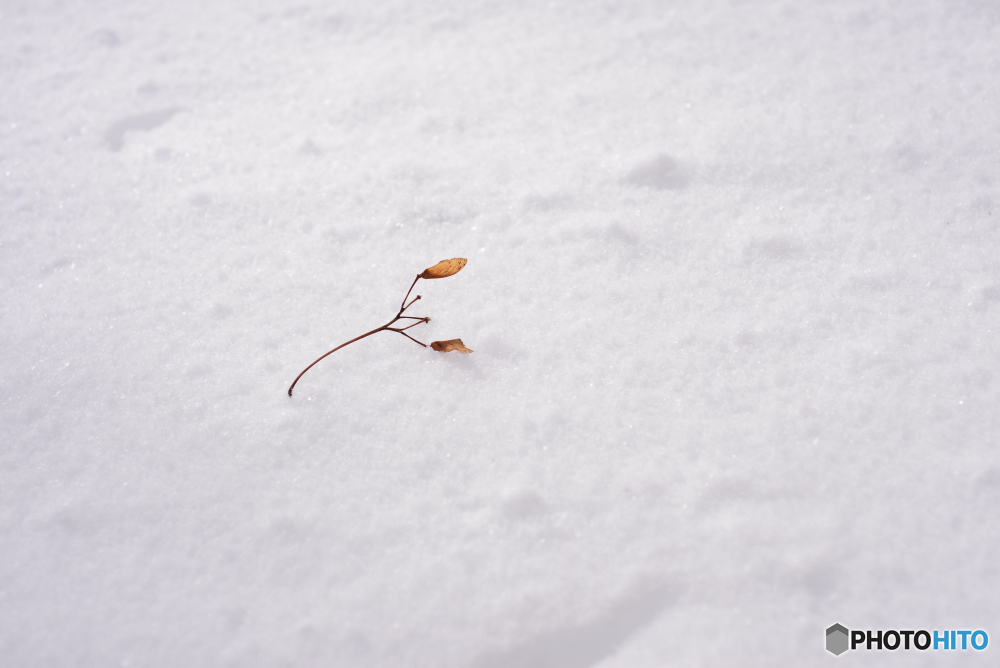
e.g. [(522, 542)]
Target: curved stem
[(379, 329), (388, 326), (403, 306)]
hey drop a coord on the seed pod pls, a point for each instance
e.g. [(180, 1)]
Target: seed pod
[(444, 268), (448, 346)]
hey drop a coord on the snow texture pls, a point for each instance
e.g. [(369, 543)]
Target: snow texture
[(733, 290)]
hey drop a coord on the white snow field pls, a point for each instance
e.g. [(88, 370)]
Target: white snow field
[(733, 290)]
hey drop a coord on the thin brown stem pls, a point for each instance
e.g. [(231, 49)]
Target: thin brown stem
[(409, 337), (374, 331), (403, 305), (388, 326), (419, 322)]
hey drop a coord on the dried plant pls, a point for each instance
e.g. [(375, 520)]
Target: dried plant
[(442, 269)]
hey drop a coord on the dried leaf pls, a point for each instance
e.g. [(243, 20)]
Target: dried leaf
[(444, 268), (448, 346)]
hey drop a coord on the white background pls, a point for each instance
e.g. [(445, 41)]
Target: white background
[(733, 290)]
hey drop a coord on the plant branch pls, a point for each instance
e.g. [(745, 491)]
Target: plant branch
[(409, 337), (387, 326), (419, 322), (404, 305), (440, 270), (374, 331)]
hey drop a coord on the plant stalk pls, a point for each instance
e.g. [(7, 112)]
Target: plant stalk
[(386, 327)]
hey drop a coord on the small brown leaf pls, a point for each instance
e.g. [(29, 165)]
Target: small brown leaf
[(448, 346), (444, 268)]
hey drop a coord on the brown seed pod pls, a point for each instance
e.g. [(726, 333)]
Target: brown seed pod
[(448, 346), (444, 268)]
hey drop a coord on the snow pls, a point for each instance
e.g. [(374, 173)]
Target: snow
[(733, 290)]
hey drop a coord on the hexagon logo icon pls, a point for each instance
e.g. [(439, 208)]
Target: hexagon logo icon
[(836, 639)]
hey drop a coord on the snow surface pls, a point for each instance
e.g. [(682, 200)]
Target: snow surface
[(733, 290)]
